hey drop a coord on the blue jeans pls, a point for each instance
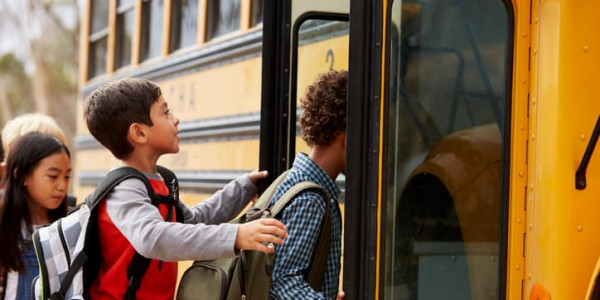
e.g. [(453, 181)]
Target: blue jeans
[(31, 270)]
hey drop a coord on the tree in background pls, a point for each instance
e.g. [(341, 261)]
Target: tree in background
[(39, 59)]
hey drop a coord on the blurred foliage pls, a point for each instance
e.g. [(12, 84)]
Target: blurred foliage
[(39, 72), (17, 87)]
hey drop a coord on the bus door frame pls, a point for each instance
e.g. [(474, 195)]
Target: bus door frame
[(277, 134)]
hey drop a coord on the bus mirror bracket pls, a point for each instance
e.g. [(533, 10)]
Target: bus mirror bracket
[(580, 175)]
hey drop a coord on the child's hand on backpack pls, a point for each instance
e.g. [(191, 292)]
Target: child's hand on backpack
[(255, 175), (253, 235)]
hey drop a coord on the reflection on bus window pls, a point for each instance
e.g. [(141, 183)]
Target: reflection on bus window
[(256, 16), (98, 38), (184, 24), (446, 120), (223, 16), (125, 19), (152, 23)]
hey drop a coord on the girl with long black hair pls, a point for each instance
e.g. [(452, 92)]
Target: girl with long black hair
[(36, 181)]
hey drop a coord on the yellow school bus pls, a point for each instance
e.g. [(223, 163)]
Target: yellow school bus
[(471, 127), (206, 57)]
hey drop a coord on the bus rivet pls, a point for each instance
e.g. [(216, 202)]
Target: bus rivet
[(519, 221), (523, 81), (522, 128), (579, 228), (586, 49), (533, 137), (533, 102), (529, 276), (518, 267), (524, 34), (531, 187), (536, 20), (582, 137), (534, 51), (530, 226), (521, 174)]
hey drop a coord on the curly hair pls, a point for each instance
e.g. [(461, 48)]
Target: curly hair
[(324, 108)]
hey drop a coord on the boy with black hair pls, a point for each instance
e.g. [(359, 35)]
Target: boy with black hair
[(131, 118), (323, 127)]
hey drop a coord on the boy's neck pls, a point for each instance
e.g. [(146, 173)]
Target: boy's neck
[(327, 159), (140, 161), (330, 157)]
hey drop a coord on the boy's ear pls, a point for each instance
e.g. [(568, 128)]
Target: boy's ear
[(137, 133)]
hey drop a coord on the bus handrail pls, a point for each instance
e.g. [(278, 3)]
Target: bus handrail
[(580, 175)]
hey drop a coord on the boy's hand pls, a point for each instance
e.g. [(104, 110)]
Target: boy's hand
[(255, 175), (252, 235), (340, 295)]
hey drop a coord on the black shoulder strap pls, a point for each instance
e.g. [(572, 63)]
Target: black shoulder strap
[(109, 182), (139, 264), (173, 185)]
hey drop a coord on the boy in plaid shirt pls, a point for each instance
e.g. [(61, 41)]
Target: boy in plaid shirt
[(323, 127)]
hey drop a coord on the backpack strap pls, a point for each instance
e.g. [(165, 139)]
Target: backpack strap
[(260, 208), (112, 179), (268, 194), (316, 270), (139, 264)]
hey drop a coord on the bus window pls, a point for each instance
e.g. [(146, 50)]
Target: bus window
[(184, 24), (447, 91), (223, 16), (152, 24), (98, 38), (256, 16), (125, 20), (322, 46)]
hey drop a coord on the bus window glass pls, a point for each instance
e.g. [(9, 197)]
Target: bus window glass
[(98, 38), (223, 16), (446, 110), (99, 15), (322, 46), (125, 20), (152, 24), (257, 13), (97, 63), (184, 23)]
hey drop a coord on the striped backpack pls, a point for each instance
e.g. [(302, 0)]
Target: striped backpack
[(68, 252)]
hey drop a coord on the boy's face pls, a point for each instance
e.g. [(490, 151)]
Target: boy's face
[(163, 134)]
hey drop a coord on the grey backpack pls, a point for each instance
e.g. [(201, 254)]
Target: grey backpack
[(67, 250), (248, 276)]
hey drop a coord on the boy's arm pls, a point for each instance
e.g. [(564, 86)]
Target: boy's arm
[(302, 218), (224, 205), (131, 211)]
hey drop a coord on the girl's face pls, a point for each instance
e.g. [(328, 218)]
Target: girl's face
[(47, 185)]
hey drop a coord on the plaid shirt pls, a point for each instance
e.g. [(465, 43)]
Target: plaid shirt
[(302, 218)]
